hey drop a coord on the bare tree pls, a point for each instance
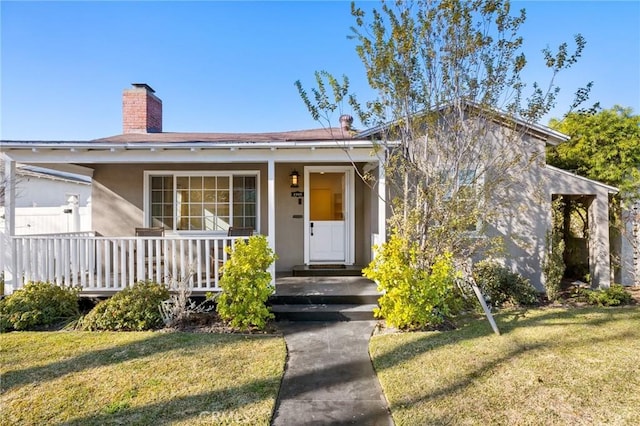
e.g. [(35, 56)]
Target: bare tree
[(451, 113)]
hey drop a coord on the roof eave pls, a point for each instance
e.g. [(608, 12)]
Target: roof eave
[(610, 189), (545, 133), (8, 145)]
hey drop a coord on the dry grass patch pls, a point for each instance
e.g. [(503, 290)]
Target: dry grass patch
[(550, 366), (84, 378)]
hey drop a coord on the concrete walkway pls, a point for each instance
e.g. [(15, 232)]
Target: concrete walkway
[(329, 379)]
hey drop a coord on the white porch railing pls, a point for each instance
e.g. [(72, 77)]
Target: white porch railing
[(106, 264)]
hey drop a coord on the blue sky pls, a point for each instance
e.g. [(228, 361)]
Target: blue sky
[(231, 66)]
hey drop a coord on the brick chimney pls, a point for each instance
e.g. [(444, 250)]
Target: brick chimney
[(345, 122), (141, 110)]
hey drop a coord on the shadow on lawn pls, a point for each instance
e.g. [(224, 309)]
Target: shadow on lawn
[(507, 322), (493, 363), (216, 407), (113, 355)]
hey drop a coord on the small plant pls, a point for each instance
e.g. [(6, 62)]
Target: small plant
[(246, 284), (37, 305), (613, 296), (180, 307), (135, 308), (413, 298), (502, 286)]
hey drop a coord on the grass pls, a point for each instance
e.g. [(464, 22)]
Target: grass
[(82, 378), (549, 366)]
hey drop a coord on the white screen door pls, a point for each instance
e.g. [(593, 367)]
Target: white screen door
[(327, 222)]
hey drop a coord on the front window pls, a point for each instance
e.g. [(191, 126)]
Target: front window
[(193, 202)]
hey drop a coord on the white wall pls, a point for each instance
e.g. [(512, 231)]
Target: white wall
[(36, 191)]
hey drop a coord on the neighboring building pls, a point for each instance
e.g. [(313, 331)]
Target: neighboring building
[(298, 188), (635, 237), (41, 187), (630, 247), (49, 201)]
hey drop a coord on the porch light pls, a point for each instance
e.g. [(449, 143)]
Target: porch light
[(293, 178)]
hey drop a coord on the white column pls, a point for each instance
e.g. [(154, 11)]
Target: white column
[(271, 207), (599, 259), (7, 257), (382, 204)]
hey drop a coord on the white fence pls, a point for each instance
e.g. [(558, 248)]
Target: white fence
[(105, 264), (46, 220)]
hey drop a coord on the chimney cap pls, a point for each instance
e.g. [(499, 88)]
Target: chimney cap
[(143, 86), (346, 121)]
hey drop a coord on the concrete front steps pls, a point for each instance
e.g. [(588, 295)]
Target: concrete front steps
[(324, 297)]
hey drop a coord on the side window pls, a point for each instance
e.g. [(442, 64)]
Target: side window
[(162, 201), (244, 201)]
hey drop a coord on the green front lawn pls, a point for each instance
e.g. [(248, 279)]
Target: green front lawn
[(550, 366), (145, 378)]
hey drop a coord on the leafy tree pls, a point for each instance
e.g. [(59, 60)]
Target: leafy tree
[(604, 145), (446, 74)]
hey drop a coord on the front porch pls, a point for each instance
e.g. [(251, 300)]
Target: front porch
[(102, 265)]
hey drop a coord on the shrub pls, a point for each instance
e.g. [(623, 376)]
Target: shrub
[(612, 296), (179, 308), (135, 308), (501, 285), (413, 297), (37, 305), (246, 284)]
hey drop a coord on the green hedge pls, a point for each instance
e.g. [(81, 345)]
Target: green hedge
[(135, 308), (38, 305)]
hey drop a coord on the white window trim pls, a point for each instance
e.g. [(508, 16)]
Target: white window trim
[(204, 173), (478, 185)]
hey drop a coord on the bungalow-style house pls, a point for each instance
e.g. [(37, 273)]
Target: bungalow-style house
[(298, 188)]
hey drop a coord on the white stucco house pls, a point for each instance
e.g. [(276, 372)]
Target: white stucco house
[(298, 188)]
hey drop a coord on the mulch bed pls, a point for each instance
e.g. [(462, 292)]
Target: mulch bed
[(210, 322)]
